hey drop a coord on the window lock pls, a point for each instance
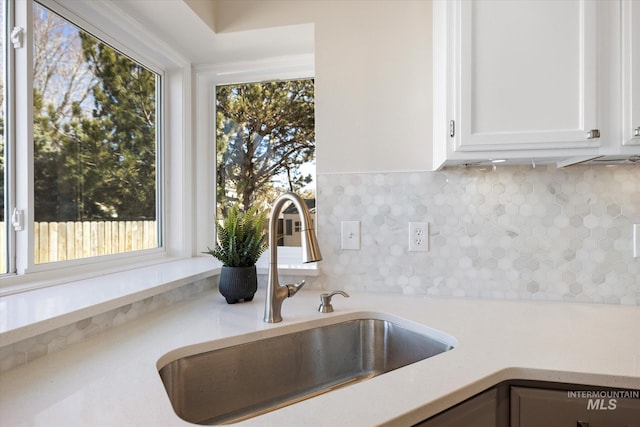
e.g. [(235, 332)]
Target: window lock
[(17, 35), (17, 219)]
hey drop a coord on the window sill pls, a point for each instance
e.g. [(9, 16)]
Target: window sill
[(27, 314)]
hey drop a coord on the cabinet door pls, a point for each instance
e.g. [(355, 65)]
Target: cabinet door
[(479, 411), (533, 407), (526, 75), (631, 72)]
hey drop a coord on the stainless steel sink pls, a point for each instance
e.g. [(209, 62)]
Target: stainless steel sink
[(237, 382)]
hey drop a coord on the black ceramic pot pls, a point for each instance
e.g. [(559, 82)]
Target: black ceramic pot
[(238, 283)]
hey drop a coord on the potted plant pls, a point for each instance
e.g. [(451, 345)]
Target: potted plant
[(241, 239)]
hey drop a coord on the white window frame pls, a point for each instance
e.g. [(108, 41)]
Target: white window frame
[(206, 79), (9, 140), (174, 161)]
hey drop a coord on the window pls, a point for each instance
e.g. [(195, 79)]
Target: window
[(265, 145), (95, 145), (89, 192)]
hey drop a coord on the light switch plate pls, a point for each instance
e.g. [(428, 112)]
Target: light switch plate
[(350, 235)]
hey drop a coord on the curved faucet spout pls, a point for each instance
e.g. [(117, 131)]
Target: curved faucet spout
[(276, 293)]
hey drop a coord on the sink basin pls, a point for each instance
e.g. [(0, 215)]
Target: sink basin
[(240, 381)]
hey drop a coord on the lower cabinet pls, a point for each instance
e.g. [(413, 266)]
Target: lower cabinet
[(533, 407), (543, 404)]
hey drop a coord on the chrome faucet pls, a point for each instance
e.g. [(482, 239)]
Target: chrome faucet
[(276, 293)]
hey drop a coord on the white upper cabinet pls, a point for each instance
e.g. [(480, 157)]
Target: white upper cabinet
[(530, 80), (527, 75), (631, 72)]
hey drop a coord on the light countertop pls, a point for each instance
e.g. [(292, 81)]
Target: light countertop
[(112, 378)]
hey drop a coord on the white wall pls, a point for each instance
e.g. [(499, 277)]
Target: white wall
[(373, 77)]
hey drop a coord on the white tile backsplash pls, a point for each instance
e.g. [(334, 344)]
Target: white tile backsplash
[(508, 232)]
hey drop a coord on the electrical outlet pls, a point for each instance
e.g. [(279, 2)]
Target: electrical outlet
[(350, 235), (418, 236)]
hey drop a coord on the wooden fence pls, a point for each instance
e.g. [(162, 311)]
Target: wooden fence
[(61, 241)]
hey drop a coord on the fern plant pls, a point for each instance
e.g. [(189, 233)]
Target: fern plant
[(241, 238)]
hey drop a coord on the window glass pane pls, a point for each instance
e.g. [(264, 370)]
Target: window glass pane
[(4, 226), (95, 145), (265, 145)]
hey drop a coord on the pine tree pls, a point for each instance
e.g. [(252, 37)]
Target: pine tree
[(121, 135), (263, 130), (98, 164)]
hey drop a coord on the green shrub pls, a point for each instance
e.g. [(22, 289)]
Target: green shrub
[(241, 238)]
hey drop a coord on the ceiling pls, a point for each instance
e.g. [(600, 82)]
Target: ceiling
[(176, 24)]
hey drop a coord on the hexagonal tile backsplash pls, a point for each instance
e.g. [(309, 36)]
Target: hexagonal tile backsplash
[(508, 232)]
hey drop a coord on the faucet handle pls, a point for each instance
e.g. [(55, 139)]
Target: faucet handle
[(325, 301)]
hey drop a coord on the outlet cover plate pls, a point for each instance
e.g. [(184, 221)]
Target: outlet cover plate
[(418, 236)]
